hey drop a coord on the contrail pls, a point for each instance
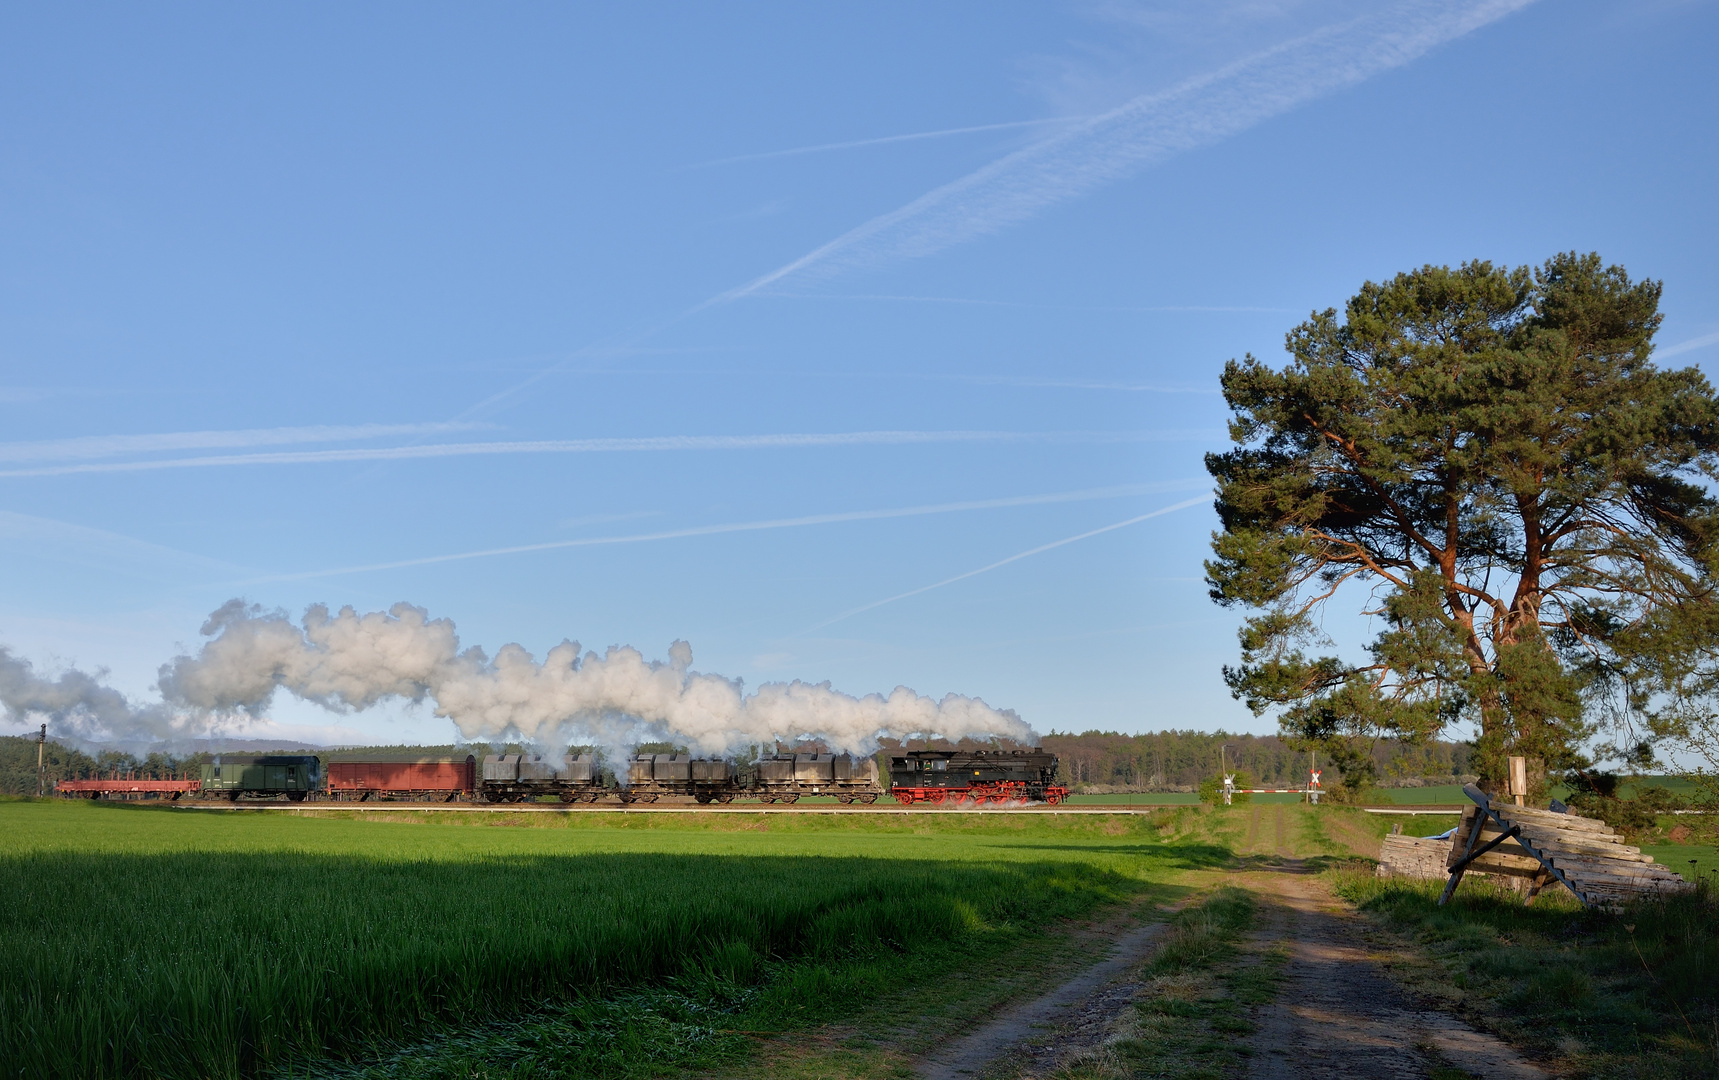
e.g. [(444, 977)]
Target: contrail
[(1210, 309), (1012, 558), (101, 446), (1688, 346), (857, 143), (1087, 495), (657, 443), (1146, 131)]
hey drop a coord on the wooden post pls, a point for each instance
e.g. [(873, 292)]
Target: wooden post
[(41, 769), (1519, 779)]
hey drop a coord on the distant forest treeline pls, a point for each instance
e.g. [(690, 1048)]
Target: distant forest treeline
[(1160, 761), (1167, 760), (1179, 760)]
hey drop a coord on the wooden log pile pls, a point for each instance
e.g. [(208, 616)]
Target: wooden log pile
[(1585, 855), (1411, 856)]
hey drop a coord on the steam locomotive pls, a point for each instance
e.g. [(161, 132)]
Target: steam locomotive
[(976, 776), (928, 776)]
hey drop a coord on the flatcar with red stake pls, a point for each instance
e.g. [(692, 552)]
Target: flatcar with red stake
[(975, 776), (126, 787), (414, 779)]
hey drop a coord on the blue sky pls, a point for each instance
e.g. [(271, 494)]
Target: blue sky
[(742, 319)]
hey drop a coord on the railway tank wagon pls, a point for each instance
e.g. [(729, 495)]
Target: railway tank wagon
[(785, 777), (262, 776), (976, 776), (416, 779), (573, 778)]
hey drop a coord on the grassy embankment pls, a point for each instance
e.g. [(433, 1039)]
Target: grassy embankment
[(155, 942), (1631, 995)]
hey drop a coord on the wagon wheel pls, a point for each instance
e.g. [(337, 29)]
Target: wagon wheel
[(725, 797), (296, 796), (703, 798), (868, 799), (569, 796), (790, 799), (845, 800), (938, 797)]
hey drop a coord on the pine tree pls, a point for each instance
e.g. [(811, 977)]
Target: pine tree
[(1486, 461)]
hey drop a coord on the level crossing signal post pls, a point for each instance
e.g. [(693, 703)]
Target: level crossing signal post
[(1312, 791)]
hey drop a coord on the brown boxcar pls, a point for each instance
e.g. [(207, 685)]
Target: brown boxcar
[(444, 779)]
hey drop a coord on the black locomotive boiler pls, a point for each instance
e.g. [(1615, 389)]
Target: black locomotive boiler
[(975, 776)]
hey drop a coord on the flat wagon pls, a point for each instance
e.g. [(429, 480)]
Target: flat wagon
[(118, 787), (421, 779)]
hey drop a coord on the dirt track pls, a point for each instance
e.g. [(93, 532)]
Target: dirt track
[(1336, 1014), (1339, 1015)]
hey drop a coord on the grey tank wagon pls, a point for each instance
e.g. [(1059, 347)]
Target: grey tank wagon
[(574, 778)]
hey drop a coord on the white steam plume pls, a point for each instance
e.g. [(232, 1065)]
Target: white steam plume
[(79, 705), (615, 701)]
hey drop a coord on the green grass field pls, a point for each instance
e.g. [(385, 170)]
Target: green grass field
[(159, 942)]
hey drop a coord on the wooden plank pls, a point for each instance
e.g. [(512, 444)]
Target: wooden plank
[(1575, 836), (1542, 838), (1589, 853), (1565, 821), (1593, 870)]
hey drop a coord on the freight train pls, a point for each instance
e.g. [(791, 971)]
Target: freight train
[(929, 776)]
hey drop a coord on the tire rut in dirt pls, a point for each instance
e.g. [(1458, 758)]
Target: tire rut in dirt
[(1084, 1005), (1340, 1017)]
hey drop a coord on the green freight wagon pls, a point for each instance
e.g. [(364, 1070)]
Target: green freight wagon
[(265, 776)]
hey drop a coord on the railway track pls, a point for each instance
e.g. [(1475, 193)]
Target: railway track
[(673, 808)]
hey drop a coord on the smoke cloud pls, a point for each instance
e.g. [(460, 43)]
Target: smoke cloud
[(79, 705), (616, 700)]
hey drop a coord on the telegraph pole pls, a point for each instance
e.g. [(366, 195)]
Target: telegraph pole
[(41, 769)]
